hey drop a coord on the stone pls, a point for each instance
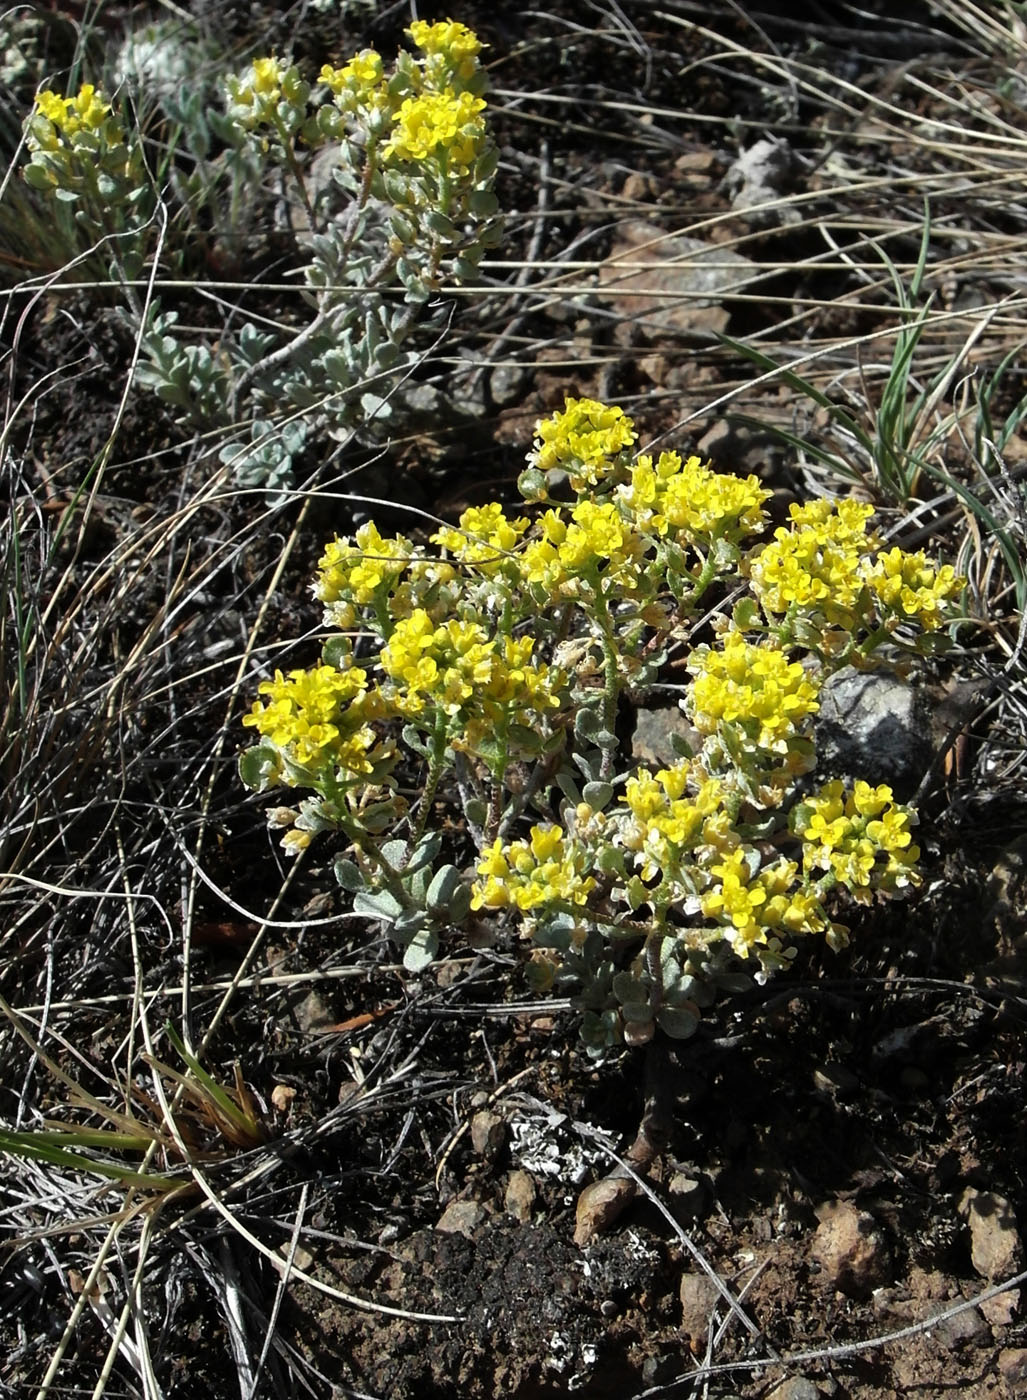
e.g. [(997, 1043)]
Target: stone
[(873, 726), (663, 282), (835, 1079), (461, 1218), (1012, 1367), (996, 1250), (520, 1195), (795, 1388), (652, 741), (488, 1132), (688, 1196), (1001, 1311), (964, 1328), (852, 1252), (763, 175), (699, 1297)]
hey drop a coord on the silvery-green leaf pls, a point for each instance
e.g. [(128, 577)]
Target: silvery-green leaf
[(394, 853), (627, 987), (444, 883), (374, 406), (347, 872), (679, 1022), (409, 924), (425, 852), (377, 904), (420, 951), (597, 794)]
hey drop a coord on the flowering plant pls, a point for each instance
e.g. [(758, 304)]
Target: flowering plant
[(81, 155), (388, 174), (392, 173), (485, 673)]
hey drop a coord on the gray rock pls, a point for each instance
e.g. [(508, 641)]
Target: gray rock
[(795, 1388), (461, 1218), (652, 741), (1002, 1310), (699, 1297), (873, 726), (488, 1132), (965, 1328), (664, 282), (1012, 1367), (763, 175), (688, 1196), (519, 1200)]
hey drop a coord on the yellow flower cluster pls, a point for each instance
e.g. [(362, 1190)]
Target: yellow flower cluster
[(66, 117), (847, 834), (582, 440), (824, 565), (381, 574), (687, 497), (755, 908), (693, 855), (358, 84), (666, 822), (912, 588), (321, 718), (816, 564), (445, 127), (361, 572), (255, 95), (546, 871), (447, 38), (752, 687), (485, 537), (456, 667), (595, 544)]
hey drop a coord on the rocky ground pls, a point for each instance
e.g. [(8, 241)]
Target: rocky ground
[(829, 1198)]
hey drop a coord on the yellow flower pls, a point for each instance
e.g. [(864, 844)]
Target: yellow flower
[(912, 588), (446, 127), (690, 500), (484, 538), (582, 440), (847, 834), (320, 717), (447, 37), (816, 565), (70, 115), (546, 871), (752, 686), (360, 572), (358, 84)]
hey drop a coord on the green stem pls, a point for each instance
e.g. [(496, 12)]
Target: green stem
[(294, 169), (611, 680), (436, 768)]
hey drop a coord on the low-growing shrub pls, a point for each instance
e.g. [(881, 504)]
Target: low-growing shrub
[(387, 175), (485, 668)]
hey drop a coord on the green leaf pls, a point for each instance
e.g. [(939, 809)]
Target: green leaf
[(394, 853), (260, 767), (377, 904), (348, 875), (443, 889), (409, 925), (679, 1022), (597, 794), (421, 951), (425, 852)]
